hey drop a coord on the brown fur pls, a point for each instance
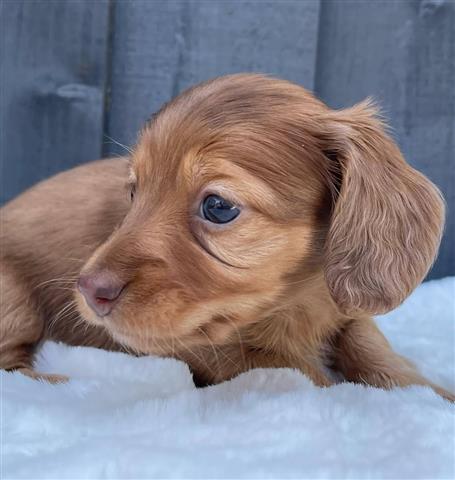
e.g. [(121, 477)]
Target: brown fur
[(335, 226)]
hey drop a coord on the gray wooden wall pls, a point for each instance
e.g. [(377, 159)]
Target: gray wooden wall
[(76, 72)]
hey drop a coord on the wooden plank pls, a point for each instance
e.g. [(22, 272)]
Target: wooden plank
[(161, 47), (53, 57), (402, 53)]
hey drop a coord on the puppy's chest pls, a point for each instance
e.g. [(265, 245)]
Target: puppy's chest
[(272, 343)]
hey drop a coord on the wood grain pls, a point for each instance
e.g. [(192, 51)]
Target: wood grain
[(403, 54), (53, 71), (75, 72), (162, 47)]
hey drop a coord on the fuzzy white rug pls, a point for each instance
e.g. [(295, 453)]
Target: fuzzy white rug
[(122, 417)]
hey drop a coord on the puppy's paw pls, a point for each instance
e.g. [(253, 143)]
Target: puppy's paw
[(44, 377), (443, 393)]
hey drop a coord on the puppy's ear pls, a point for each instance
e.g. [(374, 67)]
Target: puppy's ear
[(387, 221)]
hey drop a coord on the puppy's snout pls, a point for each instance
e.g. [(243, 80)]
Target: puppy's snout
[(101, 290)]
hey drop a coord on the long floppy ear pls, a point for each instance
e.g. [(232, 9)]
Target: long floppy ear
[(388, 218)]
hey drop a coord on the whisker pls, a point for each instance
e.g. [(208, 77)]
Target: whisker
[(61, 280), (125, 147), (188, 349), (213, 349), (67, 310), (242, 351)]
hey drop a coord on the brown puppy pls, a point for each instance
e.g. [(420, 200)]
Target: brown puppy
[(263, 230)]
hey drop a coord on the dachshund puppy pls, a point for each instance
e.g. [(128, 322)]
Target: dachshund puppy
[(252, 226)]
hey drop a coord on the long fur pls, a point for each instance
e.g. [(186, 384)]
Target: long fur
[(334, 227)]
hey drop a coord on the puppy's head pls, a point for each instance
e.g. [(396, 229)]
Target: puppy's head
[(244, 189)]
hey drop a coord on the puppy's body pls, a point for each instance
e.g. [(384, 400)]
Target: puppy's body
[(291, 281), (62, 221)]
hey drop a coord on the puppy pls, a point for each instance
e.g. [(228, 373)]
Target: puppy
[(252, 226)]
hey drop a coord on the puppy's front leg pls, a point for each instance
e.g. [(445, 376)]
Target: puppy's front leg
[(363, 355), (21, 328), (222, 363)]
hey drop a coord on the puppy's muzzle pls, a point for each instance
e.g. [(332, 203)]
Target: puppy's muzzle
[(101, 291)]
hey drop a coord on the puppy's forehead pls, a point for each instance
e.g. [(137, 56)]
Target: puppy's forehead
[(242, 119), (205, 174)]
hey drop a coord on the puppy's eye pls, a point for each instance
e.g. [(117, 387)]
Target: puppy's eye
[(216, 209)]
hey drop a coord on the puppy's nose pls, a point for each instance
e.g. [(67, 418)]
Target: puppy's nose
[(101, 291)]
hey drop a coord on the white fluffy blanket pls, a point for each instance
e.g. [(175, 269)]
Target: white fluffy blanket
[(122, 417)]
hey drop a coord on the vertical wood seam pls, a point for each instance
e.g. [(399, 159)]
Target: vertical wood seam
[(107, 91)]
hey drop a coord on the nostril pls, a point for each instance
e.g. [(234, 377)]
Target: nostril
[(109, 292), (100, 290)]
